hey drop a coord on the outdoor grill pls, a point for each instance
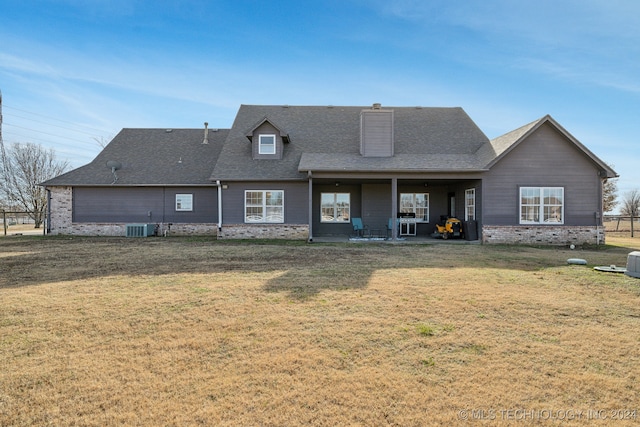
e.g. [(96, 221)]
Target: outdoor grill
[(407, 223)]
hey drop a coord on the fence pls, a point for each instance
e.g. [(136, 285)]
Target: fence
[(16, 223), (622, 223)]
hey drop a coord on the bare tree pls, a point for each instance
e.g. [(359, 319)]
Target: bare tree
[(609, 194), (631, 205), (24, 167), (102, 141)]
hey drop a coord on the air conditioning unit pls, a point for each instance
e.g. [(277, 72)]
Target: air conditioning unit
[(140, 230)]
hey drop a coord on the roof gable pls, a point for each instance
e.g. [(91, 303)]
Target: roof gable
[(284, 135), (502, 145)]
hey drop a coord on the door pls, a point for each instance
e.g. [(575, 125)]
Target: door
[(452, 205)]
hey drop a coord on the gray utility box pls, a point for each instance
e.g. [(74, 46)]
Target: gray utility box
[(633, 265)]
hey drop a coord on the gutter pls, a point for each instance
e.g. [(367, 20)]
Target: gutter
[(47, 228), (219, 205)]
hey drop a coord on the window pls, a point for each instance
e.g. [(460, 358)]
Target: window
[(264, 206), (470, 204), (541, 205), (417, 203), (184, 202), (267, 144), (334, 207)]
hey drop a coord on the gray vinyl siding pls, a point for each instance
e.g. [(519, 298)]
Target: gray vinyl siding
[(376, 134), (143, 204), (296, 202), (376, 206), (267, 129), (544, 159)]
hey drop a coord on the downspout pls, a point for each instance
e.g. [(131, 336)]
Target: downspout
[(309, 175), (219, 205), (598, 214), (394, 208), (48, 227)]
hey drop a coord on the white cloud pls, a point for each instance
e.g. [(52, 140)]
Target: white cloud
[(17, 64)]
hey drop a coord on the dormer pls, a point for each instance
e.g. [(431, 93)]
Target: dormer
[(267, 140), (376, 132)]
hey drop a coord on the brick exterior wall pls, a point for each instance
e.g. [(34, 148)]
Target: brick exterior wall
[(543, 235), (61, 206), (119, 229), (265, 231)]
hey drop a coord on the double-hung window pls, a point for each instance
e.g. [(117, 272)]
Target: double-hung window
[(417, 203), (267, 144), (335, 207), (541, 205), (470, 204), (184, 202), (264, 206)]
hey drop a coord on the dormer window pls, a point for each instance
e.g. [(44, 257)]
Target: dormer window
[(267, 140), (267, 144)]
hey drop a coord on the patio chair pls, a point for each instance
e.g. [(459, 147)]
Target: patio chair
[(358, 228)]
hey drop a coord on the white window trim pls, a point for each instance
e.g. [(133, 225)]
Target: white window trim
[(263, 219), (261, 146), (184, 202), (427, 208), (541, 206), (334, 219), (467, 205)]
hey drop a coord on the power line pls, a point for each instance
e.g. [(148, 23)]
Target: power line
[(55, 119), (46, 133), (51, 124), (16, 136)]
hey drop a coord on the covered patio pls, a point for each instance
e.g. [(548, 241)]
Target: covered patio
[(400, 208)]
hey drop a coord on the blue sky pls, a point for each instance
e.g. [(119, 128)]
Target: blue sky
[(74, 72)]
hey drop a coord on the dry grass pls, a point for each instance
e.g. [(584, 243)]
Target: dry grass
[(20, 229), (182, 332)]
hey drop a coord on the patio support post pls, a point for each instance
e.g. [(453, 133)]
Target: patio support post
[(394, 207), (310, 239)]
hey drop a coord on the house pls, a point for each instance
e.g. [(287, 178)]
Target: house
[(306, 171)]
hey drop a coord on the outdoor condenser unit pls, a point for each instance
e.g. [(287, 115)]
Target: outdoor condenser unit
[(140, 230)]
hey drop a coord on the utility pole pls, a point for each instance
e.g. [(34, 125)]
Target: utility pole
[(3, 155), (1, 143), (4, 214)]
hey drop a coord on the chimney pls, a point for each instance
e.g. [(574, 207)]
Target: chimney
[(206, 133), (376, 132)]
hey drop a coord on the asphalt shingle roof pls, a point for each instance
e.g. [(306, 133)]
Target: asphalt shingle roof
[(151, 157), (320, 138), (328, 138)]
